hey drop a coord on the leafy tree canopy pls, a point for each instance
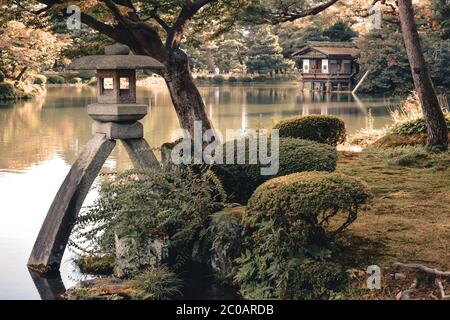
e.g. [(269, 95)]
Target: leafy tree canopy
[(441, 10)]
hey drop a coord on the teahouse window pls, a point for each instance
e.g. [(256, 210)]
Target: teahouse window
[(108, 83), (124, 84), (347, 66)]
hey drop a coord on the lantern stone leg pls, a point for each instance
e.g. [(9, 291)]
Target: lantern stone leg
[(55, 231), (140, 153)]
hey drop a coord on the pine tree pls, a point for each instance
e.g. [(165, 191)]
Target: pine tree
[(228, 55), (264, 54)]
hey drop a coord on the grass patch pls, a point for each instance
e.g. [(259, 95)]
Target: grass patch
[(409, 219)]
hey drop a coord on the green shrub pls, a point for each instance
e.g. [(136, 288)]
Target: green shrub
[(7, 91), (312, 198), (2, 76), (143, 207), (218, 79), (261, 78), (415, 126), (225, 230), (409, 159), (289, 222), (290, 77), (313, 281), (296, 155), (247, 79), (232, 79), (39, 79), (96, 265), (157, 284), (54, 79), (201, 79), (75, 80), (320, 128), (86, 74)]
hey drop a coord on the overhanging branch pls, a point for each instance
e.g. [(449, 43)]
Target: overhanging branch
[(280, 16), (175, 34)]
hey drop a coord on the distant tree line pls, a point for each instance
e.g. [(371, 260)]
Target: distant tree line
[(263, 50)]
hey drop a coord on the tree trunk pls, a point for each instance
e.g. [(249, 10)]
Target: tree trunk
[(434, 118), (185, 96), (22, 72)]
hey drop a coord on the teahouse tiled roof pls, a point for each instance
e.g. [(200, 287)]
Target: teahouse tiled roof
[(328, 48)]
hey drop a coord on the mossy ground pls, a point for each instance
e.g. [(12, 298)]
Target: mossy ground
[(95, 265), (409, 218)]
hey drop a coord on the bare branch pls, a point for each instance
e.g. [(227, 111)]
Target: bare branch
[(423, 268), (110, 31), (154, 15), (442, 290), (116, 11)]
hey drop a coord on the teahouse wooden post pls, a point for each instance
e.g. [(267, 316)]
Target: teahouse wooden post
[(116, 116)]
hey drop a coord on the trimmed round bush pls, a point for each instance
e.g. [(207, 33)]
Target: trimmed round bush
[(247, 79), (290, 222), (320, 128), (232, 79), (201, 79), (312, 198), (295, 155), (54, 79), (261, 78), (416, 126), (7, 91), (218, 79), (86, 74), (2, 76), (39, 79)]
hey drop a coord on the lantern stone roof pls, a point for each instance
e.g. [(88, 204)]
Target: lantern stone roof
[(116, 57), (326, 48)]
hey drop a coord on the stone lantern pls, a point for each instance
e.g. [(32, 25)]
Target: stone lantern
[(115, 116)]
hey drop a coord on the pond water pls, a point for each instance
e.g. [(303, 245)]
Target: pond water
[(40, 139)]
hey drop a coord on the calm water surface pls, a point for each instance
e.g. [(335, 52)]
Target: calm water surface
[(40, 139)]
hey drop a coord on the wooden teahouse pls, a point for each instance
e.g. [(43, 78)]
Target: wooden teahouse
[(328, 66)]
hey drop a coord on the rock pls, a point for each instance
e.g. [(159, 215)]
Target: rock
[(101, 289), (226, 229), (399, 276), (130, 259)]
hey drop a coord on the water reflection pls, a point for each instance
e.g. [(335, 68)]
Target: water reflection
[(40, 139), (48, 287)]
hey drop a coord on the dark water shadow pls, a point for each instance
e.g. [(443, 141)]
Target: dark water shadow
[(49, 287), (200, 284)]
